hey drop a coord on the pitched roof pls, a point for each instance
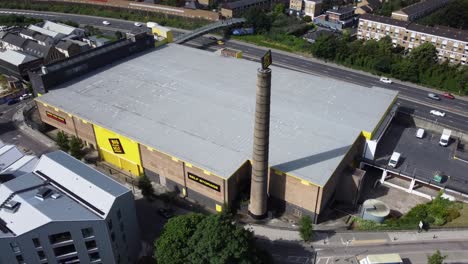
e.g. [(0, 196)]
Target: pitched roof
[(342, 10), (16, 57), (37, 50), (14, 40), (64, 45), (58, 27), (28, 32), (241, 3), (423, 6)]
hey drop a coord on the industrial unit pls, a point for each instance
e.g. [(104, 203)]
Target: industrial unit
[(185, 118)]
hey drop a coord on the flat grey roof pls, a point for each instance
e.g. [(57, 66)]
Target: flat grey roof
[(199, 107)]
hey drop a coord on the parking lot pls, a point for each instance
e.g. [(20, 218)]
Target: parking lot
[(422, 158)]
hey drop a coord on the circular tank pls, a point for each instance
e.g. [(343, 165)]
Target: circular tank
[(374, 210)]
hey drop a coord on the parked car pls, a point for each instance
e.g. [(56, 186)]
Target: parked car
[(393, 162), (105, 22), (137, 24), (448, 95), (213, 38), (12, 101), (433, 96), (25, 96), (166, 213), (220, 42), (437, 113), (385, 80), (420, 133)]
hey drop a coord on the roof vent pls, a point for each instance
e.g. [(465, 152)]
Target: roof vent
[(12, 206), (43, 193), (55, 195)]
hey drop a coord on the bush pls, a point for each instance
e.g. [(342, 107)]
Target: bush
[(62, 141), (76, 147), (307, 19), (144, 184), (305, 228)]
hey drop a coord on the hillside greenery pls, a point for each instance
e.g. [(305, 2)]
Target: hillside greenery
[(454, 14), (381, 58), (94, 10)]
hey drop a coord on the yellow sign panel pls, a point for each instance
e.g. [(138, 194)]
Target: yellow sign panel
[(267, 60), (116, 146)]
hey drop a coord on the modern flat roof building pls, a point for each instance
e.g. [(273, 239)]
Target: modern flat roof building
[(185, 118), (59, 210)]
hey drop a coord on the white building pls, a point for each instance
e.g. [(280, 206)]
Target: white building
[(59, 210)]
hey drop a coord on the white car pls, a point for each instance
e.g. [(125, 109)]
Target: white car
[(385, 80), (420, 133), (25, 96), (437, 113), (137, 24), (105, 22)]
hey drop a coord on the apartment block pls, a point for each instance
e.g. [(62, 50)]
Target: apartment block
[(418, 10), (451, 44), (56, 209), (310, 8)]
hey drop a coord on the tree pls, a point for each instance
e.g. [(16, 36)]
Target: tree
[(144, 184), (118, 35), (76, 146), (307, 19), (436, 258), (305, 228), (258, 20), (62, 141), (424, 56), (199, 239), (279, 9)]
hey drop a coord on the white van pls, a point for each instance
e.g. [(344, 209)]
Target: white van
[(420, 133), (393, 162)]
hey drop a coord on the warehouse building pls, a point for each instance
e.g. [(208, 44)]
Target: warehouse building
[(185, 117)]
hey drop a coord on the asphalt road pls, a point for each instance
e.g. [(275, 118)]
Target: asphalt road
[(10, 134)]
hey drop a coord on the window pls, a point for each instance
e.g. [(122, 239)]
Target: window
[(20, 259), (119, 214), (87, 232), (36, 242), (64, 250), (14, 247), (91, 244), (60, 237), (70, 260), (41, 255), (94, 256)]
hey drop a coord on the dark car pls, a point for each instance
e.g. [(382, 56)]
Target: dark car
[(213, 38), (12, 101), (166, 213)]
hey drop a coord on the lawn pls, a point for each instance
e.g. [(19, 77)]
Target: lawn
[(462, 220)]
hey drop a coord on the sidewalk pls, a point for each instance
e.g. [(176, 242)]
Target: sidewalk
[(337, 239)]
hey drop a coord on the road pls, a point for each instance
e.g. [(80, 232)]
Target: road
[(10, 134), (413, 98)]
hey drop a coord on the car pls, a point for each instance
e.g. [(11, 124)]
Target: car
[(25, 96), (213, 38), (448, 95), (12, 101), (437, 113), (220, 42), (433, 96), (420, 133), (136, 24), (393, 162), (385, 80), (105, 22), (166, 213)]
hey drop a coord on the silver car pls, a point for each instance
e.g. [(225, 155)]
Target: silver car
[(433, 96)]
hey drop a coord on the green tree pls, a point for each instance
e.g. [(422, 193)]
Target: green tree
[(62, 141), (118, 35), (198, 239), (325, 47), (260, 21), (436, 258), (424, 56), (144, 184), (305, 228), (307, 19), (76, 147), (279, 9)]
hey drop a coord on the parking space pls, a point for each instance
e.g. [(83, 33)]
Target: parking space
[(422, 158)]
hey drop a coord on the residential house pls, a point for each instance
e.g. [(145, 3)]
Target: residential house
[(68, 48), (238, 8), (95, 41), (48, 53), (451, 44), (11, 41), (367, 6), (337, 18)]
